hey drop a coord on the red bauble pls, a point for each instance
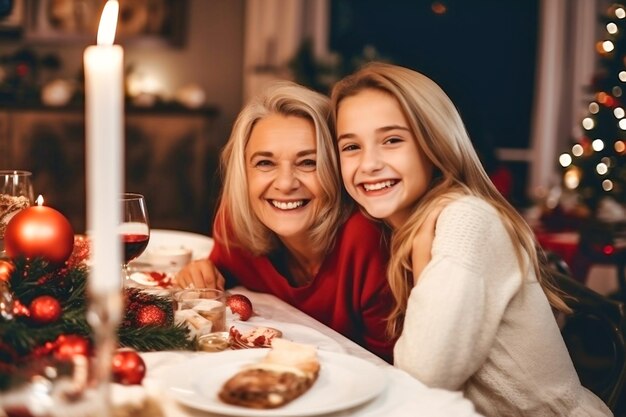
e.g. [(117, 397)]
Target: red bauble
[(39, 231), (45, 309), (6, 269), (127, 367), (241, 305), (68, 346), (150, 315)]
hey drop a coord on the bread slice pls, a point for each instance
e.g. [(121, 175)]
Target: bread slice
[(287, 372)]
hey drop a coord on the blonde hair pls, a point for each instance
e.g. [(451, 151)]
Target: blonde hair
[(441, 134), (237, 224)]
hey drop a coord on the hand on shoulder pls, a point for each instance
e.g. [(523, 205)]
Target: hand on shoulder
[(423, 241)]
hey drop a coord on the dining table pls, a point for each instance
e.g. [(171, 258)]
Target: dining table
[(362, 384), (402, 394)]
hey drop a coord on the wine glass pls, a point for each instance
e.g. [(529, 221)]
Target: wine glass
[(16, 193), (134, 229)]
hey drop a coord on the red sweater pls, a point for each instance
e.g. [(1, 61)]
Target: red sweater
[(350, 293)]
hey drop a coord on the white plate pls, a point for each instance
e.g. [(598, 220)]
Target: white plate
[(343, 382), (200, 245)]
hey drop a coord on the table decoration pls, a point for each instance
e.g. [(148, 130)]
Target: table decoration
[(45, 316), (128, 367), (45, 310), (39, 231), (240, 305), (104, 119)]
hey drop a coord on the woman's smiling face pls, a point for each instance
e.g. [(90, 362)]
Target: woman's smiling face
[(283, 184), (382, 167)]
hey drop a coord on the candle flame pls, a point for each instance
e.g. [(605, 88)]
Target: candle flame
[(39, 200), (108, 23)]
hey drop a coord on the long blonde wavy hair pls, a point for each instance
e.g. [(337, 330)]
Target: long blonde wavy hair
[(441, 134), (237, 225)]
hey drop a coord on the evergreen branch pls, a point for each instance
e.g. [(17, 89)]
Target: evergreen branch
[(154, 338), (34, 278)]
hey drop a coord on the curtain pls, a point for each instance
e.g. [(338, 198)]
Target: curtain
[(565, 65), (275, 29)]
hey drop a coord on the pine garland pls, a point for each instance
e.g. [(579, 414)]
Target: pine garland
[(21, 337)]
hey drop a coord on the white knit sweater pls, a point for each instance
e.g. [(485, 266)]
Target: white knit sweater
[(474, 323)]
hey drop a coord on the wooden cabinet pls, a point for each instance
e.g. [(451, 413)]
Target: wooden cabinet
[(170, 157)]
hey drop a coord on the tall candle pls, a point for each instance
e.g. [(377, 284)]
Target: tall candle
[(104, 111)]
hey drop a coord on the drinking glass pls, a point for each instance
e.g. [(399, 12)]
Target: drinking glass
[(16, 193), (134, 229), (203, 310)]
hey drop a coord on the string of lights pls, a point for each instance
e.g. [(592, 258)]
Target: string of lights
[(594, 167)]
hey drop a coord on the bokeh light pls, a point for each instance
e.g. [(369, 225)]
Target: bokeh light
[(571, 179), (597, 145), (565, 160), (577, 150)]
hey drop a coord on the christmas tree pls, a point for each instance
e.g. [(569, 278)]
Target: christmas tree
[(594, 167)]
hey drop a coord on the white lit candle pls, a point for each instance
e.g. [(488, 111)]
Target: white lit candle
[(104, 113)]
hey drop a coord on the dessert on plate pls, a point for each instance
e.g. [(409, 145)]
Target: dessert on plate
[(287, 371), (257, 337)]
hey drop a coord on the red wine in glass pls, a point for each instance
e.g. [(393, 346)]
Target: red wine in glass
[(134, 229), (134, 245)]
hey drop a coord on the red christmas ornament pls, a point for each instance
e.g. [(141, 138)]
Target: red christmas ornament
[(150, 315), (45, 309), (39, 231), (68, 346), (6, 269), (127, 367), (241, 305)]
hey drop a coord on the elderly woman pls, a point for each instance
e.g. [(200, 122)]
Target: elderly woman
[(284, 227)]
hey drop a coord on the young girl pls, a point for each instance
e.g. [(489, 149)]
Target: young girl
[(471, 305), (283, 226)]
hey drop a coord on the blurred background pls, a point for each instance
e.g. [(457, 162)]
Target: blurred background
[(525, 76), (539, 84)]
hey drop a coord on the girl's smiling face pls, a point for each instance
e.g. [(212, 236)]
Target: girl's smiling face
[(382, 167)]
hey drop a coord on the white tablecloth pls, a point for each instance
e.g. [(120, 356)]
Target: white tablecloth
[(404, 395)]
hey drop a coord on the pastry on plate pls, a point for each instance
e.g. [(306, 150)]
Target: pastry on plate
[(285, 373)]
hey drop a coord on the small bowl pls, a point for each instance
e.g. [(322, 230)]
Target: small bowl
[(169, 256), (214, 342)]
